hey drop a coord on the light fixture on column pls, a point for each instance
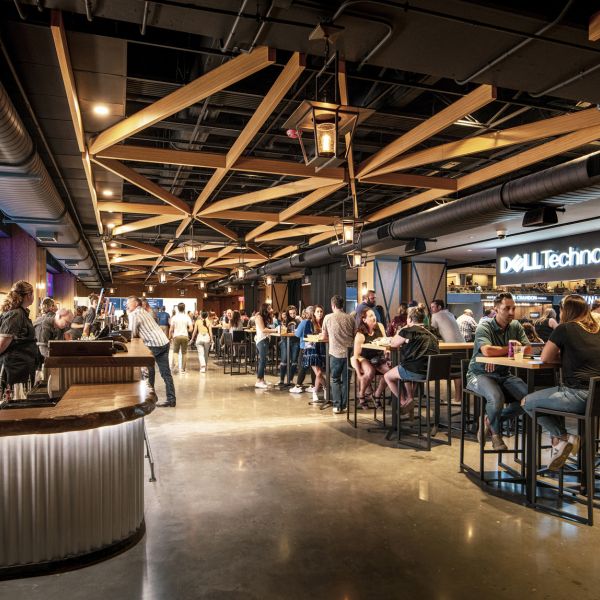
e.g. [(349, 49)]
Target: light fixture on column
[(229, 289), (111, 291), (150, 288), (182, 292), (162, 278), (269, 280), (143, 294), (205, 295)]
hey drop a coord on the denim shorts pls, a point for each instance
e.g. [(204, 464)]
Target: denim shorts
[(406, 375)]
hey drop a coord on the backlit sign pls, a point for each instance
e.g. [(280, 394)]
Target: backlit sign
[(562, 259)]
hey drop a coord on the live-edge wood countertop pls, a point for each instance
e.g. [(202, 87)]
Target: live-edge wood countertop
[(82, 407), (137, 355)]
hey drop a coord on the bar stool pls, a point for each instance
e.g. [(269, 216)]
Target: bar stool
[(587, 426), (438, 370), (479, 403), (236, 354)]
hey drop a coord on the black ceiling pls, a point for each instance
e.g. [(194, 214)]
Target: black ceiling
[(416, 73)]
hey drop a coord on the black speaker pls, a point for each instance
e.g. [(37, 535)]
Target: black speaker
[(416, 245), (543, 215)]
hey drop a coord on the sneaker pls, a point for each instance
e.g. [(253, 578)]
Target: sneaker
[(310, 389), (315, 398), (297, 389), (338, 411), (498, 443), (575, 440), (559, 454), (261, 385), (281, 383), (202, 369)]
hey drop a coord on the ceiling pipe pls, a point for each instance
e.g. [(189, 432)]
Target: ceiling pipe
[(569, 183), (225, 47), (514, 49), (29, 197), (145, 17), (88, 9)]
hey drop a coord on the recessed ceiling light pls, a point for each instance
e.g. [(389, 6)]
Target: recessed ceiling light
[(110, 225), (107, 193), (101, 110), (113, 244)]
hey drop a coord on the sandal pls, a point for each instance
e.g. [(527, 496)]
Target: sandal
[(407, 408), (362, 403), (378, 401)]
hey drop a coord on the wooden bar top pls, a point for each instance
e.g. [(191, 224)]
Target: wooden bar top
[(137, 355), (527, 363), (444, 346), (82, 407)]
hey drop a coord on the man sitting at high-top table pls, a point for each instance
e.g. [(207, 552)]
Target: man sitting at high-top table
[(494, 382)]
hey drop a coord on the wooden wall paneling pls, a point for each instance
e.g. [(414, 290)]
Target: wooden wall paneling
[(6, 265), (279, 296), (65, 289), (388, 284), (428, 281)]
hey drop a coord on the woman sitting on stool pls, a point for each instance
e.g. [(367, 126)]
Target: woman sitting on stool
[(575, 343), (416, 343), (367, 362)]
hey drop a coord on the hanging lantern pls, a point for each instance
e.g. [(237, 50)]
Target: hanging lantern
[(357, 259), (162, 278), (190, 253), (241, 272), (348, 231), (201, 285), (328, 122)]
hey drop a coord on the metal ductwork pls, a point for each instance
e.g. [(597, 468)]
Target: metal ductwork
[(569, 183), (28, 197)]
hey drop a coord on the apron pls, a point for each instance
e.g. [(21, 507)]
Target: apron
[(18, 362)]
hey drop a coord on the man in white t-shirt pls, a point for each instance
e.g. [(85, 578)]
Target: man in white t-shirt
[(445, 322), (181, 325)]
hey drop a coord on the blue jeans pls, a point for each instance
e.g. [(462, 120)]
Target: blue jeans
[(556, 398), (161, 356), (498, 390), (339, 373), (263, 351), (294, 351), (407, 375)]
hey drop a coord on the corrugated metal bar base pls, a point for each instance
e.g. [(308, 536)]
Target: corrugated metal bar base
[(70, 498)]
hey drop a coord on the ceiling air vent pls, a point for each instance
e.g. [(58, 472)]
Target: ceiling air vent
[(47, 237), (70, 263)]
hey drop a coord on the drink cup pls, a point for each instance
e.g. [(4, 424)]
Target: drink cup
[(512, 344), (519, 352)]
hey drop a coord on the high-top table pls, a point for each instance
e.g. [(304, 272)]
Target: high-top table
[(72, 478)]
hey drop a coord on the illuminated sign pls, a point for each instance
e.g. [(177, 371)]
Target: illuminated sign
[(553, 260), (534, 298)]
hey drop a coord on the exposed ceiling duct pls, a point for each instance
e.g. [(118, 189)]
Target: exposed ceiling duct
[(28, 197), (570, 183)]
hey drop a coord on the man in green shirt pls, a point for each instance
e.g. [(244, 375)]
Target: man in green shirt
[(495, 382)]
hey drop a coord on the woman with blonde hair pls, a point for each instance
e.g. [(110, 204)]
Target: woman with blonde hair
[(575, 344), (546, 324), (18, 349)]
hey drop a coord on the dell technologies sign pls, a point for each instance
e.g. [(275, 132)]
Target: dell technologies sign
[(562, 259)]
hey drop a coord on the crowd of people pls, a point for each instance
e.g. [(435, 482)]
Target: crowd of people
[(573, 341)]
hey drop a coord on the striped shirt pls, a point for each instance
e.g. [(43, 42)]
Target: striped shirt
[(145, 327)]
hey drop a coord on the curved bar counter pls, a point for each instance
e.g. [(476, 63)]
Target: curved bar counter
[(72, 478)]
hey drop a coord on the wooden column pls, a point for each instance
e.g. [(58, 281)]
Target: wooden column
[(425, 281), (387, 280)]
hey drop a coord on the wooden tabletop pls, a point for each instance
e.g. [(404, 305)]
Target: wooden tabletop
[(284, 334), (137, 355), (527, 363), (82, 407), (442, 345), (313, 337)]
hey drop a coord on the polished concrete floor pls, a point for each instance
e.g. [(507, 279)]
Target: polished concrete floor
[(260, 496)]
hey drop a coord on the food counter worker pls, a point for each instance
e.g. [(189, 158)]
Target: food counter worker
[(18, 349)]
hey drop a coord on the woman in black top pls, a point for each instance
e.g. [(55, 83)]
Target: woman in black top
[(18, 350), (367, 362), (546, 324), (575, 344), (416, 343)]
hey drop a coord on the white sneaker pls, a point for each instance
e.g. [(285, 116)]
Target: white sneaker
[(315, 397), (559, 455), (202, 369), (261, 385), (338, 411), (310, 389), (296, 389)]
